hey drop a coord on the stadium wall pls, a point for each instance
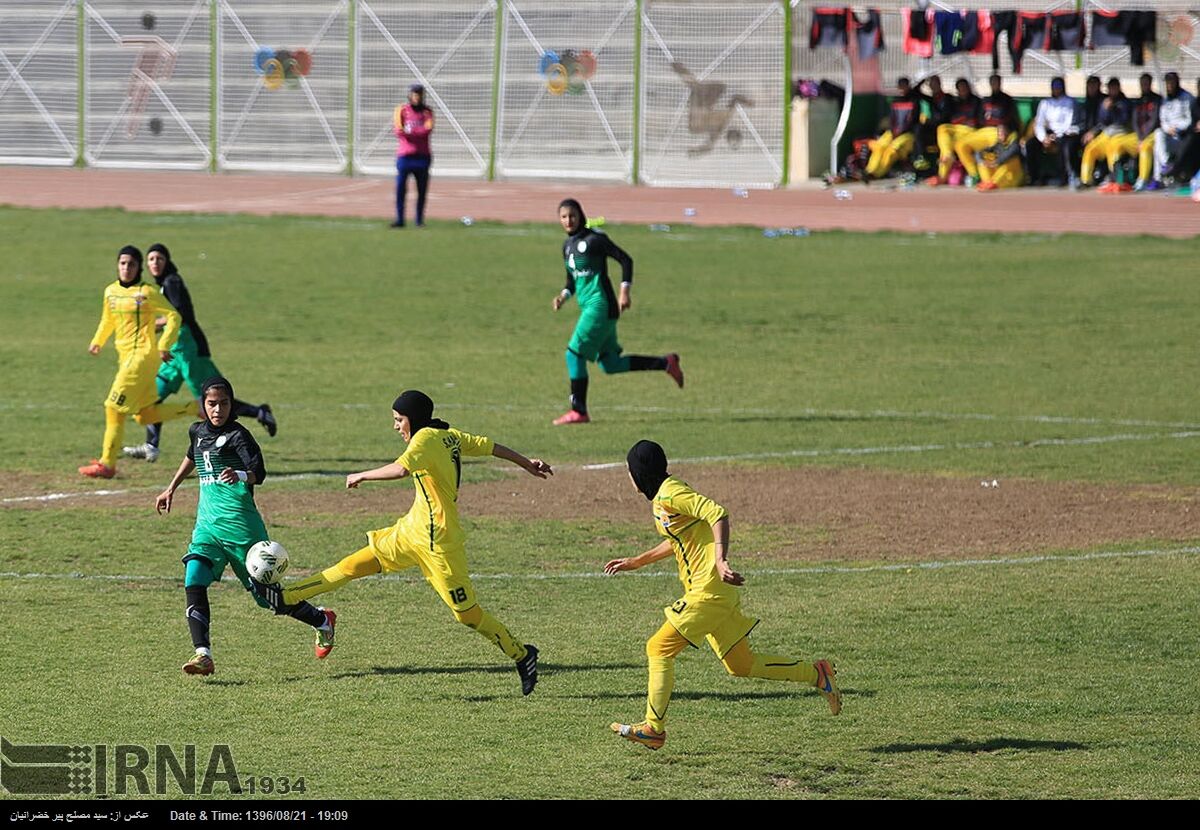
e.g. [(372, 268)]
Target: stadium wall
[(661, 92)]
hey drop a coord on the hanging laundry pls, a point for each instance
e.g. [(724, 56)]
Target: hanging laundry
[(1066, 31), (978, 36), (1005, 22), (1132, 29), (1033, 30), (828, 28), (917, 30), (949, 32), (868, 33), (1142, 30)]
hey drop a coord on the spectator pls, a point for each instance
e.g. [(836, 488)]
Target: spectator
[(1000, 165), (896, 142), (1175, 123), (966, 110), (1056, 133), (1092, 100), (1114, 137), (998, 108), (1145, 125), (413, 123), (941, 110)]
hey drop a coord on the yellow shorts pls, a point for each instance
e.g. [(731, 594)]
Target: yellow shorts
[(719, 619), (133, 388), (445, 569)]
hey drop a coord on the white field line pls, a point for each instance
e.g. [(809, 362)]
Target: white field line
[(704, 459), (816, 570), (848, 414)]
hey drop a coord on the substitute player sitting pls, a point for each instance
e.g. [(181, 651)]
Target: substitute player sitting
[(228, 523), (128, 314), (585, 254), (428, 536), (696, 532)]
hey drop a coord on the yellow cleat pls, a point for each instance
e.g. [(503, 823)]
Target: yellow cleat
[(827, 685), (640, 733), (201, 664)]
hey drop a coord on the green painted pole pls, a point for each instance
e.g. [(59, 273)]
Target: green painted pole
[(351, 82), (637, 95), (80, 85), (496, 58), (787, 91), (214, 22)]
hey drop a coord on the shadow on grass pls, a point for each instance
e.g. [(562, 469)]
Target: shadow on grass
[(543, 669), (989, 745)]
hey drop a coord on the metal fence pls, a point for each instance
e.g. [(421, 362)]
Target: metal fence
[(678, 92)]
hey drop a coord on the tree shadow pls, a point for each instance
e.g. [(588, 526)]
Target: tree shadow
[(989, 745)]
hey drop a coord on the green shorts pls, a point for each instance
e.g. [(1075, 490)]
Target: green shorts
[(594, 338), (222, 552), (186, 366)]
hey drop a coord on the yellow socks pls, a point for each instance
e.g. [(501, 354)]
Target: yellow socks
[(114, 431), (658, 693), (492, 630)]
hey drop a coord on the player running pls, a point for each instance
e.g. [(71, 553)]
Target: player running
[(428, 536), (228, 523), (191, 360), (585, 254), (696, 531), (128, 314)]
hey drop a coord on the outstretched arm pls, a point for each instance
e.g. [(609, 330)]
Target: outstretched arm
[(388, 472), (534, 466), (163, 502), (632, 563)]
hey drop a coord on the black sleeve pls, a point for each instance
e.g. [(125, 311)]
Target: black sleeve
[(177, 295), (620, 256), (248, 451)]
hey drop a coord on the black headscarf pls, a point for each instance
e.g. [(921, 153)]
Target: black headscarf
[(648, 466), (218, 382), (420, 89), (136, 254), (571, 203), (418, 408), (170, 269)]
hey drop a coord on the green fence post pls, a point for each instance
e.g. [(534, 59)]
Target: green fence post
[(497, 57), (351, 81), (214, 23), (787, 91), (80, 85), (637, 95)]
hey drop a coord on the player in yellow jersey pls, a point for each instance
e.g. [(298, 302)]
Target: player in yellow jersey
[(128, 314), (696, 531), (428, 536)]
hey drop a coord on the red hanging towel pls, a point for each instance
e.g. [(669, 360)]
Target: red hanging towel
[(987, 35), (917, 28)]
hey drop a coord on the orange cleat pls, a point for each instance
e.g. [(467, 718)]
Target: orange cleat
[(640, 733), (97, 470), (201, 665), (572, 417), (325, 640)]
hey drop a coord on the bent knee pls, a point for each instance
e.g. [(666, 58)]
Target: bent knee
[(737, 665)]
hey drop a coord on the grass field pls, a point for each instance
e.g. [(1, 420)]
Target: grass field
[(1042, 358)]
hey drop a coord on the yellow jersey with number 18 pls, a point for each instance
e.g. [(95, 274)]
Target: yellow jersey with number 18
[(686, 518), (434, 458)]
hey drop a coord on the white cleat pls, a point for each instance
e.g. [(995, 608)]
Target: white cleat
[(146, 451)]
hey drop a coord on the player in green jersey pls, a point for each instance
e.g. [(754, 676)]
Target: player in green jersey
[(585, 254), (228, 523)]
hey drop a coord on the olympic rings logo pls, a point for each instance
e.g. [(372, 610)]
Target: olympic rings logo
[(280, 65), (568, 72)]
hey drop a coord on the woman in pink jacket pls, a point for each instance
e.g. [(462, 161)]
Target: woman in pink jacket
[(414, 123)]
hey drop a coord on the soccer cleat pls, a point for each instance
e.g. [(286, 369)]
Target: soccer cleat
[(1139, 185), (934, 181), (1153, 184), (673, 369), (325, 640), (97, 470), (267, 419), (147, 451), (640, 733), (984, 187), (827, 685), (971, 181), (1109, 187), (201, 664), (1124, 187), (527, 669), (572, 417)]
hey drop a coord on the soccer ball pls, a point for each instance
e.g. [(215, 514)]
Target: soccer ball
[(266, 561)]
